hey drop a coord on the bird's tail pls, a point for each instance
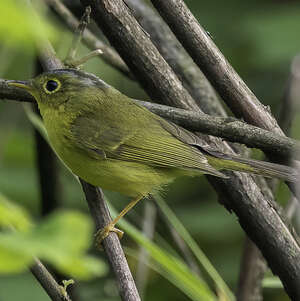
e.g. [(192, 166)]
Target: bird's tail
[(266, 169)]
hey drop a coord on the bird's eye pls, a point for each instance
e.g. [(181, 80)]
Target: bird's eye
[(51, 86)]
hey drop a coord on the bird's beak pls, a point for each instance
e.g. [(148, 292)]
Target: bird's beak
[(27, 85)]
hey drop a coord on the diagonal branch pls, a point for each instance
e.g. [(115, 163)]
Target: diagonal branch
[(175, 55), (252, 270), (52, 288), (232, 129), (214, 65)]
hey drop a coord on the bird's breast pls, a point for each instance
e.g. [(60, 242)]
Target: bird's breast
[(57, 123)]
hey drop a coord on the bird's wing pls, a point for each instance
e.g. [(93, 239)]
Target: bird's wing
[(148, 141)]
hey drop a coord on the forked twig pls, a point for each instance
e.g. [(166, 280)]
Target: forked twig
[(71, 60)]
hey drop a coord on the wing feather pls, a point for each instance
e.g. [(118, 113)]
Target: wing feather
[(150, 140)]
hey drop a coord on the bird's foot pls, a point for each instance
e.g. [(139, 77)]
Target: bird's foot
[(104, 232)]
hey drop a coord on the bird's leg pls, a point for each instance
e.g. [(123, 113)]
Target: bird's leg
[(102, 233)]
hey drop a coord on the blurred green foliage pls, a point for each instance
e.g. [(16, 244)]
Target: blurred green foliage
[(61, 239), (19, 25), (258, 37)]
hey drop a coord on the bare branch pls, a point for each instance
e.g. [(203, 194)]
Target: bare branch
[(232, 129), (172, 51), (85, 19), (252, 269), (290, 101), (52, 288), (148, 228), (13, 93), (48, 58), (214, 65)]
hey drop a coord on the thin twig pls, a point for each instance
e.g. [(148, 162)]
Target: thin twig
[(75, 63), (252, 271), (148, 228), (109, 55), (52, 288), (85, 19), (257, 215), (289, 109), (291, 99), (185, 251), (253, 265)]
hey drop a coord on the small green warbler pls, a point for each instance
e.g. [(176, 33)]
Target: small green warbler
[(109, 141)]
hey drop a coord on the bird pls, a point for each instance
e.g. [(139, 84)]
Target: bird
[(108, 140)]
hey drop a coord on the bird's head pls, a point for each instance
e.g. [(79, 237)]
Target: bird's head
[(57, 87)]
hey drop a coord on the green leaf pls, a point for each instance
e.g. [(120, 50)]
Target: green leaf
[(13, 216), (62, 239), (64, 234), (199, 254), (13, 261), (173, 268)]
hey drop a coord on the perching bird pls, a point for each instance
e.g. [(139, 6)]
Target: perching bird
[(109, 141)]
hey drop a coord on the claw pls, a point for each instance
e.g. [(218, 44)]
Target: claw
[(104, 232)]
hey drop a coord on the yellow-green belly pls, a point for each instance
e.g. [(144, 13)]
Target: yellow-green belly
[(129, 178)]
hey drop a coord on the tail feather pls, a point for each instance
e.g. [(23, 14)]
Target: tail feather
[(267, 169)]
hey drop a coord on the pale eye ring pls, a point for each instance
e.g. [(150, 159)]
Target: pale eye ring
[(51, 86)]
